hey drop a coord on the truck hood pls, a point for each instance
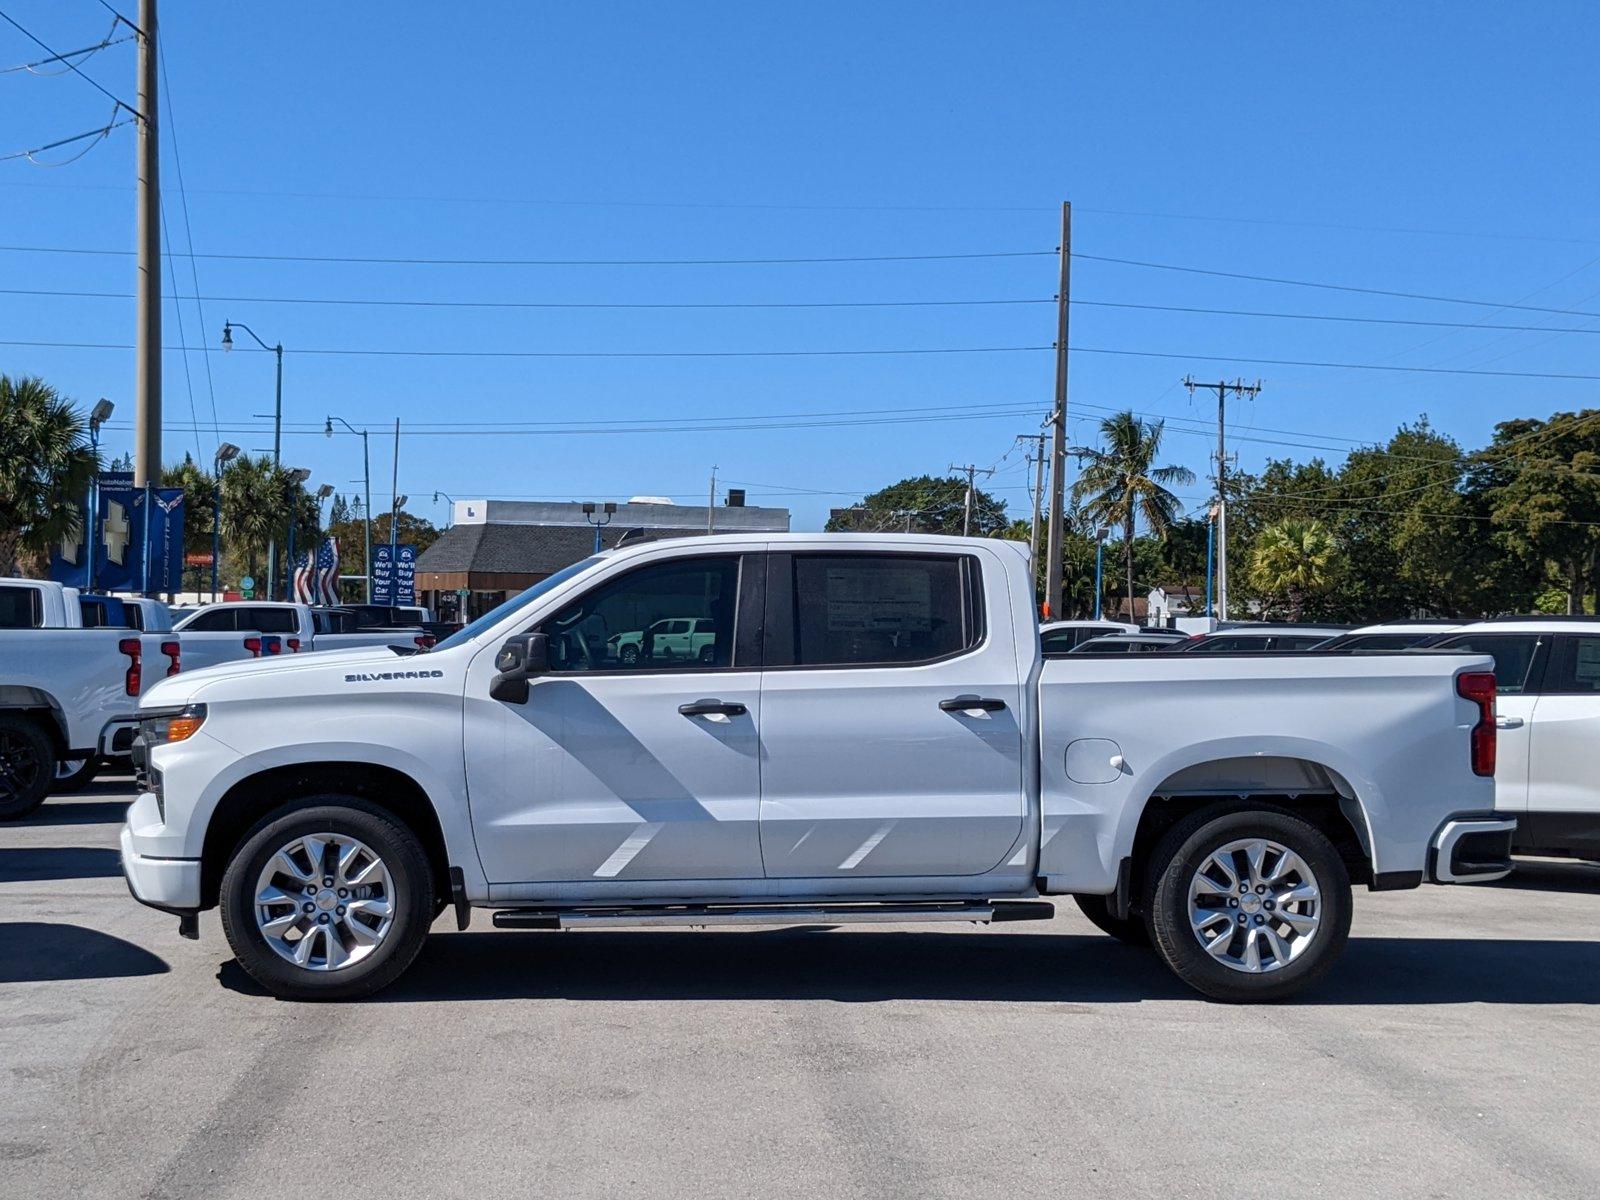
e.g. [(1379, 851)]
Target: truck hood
[(313, 672)]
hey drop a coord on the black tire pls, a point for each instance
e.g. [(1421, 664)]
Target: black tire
[(628, 655), (412, 897), (708, 655), (1130, 929), (27, 765), (76, 780), (1179, 857)]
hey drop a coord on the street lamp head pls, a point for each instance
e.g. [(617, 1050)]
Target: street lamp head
[(588, 508), (101, 413), (297, 474), (325, 491), (611, 507), (227, 337), (226, 452), (400, 500)]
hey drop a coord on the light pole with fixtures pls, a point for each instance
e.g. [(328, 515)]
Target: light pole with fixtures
[(589, 509), (366, 467), (277, 430), (98, 417), (226, 453), (450, 513)]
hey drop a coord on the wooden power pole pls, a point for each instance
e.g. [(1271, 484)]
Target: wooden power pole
[(1058, 444)]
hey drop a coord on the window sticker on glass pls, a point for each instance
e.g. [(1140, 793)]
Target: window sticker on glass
[(1586, 667), (884, 600)]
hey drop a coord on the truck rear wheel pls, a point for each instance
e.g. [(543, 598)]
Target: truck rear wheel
[(1130, 929), (327, 900), (27, 765), (1248, 905)]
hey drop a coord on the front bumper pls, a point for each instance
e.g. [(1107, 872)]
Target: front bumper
[(171, 884), (1471, 850)]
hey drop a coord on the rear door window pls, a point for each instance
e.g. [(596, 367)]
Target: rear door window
[(214, 620), (883, 609), (1516, 656), (271, 620), (1574, 666), (20, 608)]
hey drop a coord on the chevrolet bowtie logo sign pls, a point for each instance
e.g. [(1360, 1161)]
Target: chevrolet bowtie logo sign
[(117, 532)]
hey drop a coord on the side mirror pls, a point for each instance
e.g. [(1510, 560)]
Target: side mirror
[(518, 660)]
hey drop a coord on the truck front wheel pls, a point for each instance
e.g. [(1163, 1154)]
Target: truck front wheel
[(1248, 905), (327, 900), (27, 765)]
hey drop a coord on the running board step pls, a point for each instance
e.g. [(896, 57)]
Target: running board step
[(771, 914)]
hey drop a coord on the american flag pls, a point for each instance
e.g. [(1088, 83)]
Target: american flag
[(318, 582)]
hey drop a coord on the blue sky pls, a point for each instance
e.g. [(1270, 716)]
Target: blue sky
[(1447, 149)]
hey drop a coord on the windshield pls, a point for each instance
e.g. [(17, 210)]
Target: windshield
[(495, 615)]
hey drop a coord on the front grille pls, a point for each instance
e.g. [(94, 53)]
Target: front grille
[(141, 763)]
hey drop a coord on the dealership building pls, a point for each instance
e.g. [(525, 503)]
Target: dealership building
[(495, 548)]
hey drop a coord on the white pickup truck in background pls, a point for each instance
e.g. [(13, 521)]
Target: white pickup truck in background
[(39, 604), (1547, 774), (874, 735), (211, 634)]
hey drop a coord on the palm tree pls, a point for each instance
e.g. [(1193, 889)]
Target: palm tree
[(1119, 484), (1293, 557), (45, 467), (253, 508)]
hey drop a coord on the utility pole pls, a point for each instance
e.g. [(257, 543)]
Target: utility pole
[(966, 517), (147, 391), (1244, 391), (711, 503), (1058, 417), (1035, 459), (394, 506)]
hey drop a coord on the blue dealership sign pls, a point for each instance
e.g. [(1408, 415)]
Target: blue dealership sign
[(125, 533), (394, 574)]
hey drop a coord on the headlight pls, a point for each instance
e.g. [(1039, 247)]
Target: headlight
[(172, 725)]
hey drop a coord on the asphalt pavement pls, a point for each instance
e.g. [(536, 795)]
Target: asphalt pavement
[(1455, 1053)]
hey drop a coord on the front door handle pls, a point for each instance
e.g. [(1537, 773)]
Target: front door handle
[(713, 708), (1508, 722), (970, 703)]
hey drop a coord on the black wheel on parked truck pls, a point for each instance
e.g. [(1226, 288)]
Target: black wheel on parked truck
[(327, 899), (27, 765), (74, 774), (1130, 929), (1248, 905)]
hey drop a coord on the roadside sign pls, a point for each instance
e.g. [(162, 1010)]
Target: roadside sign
[(463, 593), (247, 587)]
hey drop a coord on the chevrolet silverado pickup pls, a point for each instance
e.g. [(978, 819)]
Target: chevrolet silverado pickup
[(874, 735)]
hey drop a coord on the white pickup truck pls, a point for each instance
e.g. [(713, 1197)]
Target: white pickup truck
[(875, 736), (1547, 774), (211, 635)]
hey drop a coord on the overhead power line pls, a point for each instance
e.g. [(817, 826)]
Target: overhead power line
[(99, 135), (550, 262), (67, 60), (1335, 287), (414, 352)]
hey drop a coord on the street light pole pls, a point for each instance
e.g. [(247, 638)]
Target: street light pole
[(450, 513), (1099, 559), (277, 434), (366, 470), (98, 417)]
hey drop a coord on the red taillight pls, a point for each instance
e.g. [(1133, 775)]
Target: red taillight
[(294, 645), (135, 652), (273, 645), (426, 642), (254, 646), (174, 653), (1478, 686)]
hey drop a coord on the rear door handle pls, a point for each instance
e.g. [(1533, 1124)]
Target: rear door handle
[(1508, 722), (971, 703), (712, 708)]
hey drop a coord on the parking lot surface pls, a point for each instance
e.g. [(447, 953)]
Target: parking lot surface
[(1454, 1053)]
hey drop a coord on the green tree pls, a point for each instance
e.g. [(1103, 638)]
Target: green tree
[(258, 502), (1293, 558), (46, 463), (1539, 482), (199, 513), (1120, 484), (922, 504)]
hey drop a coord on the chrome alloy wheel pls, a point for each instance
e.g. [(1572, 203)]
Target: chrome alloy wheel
[(1254, 905), (324, 901)]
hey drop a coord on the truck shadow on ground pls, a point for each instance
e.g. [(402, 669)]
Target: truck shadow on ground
[(38, 951), (855, 967), (33, 863), (78, 812)]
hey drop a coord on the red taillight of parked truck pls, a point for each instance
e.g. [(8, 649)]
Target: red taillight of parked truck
[(174, 653), (1478, 686), (135, 675)]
